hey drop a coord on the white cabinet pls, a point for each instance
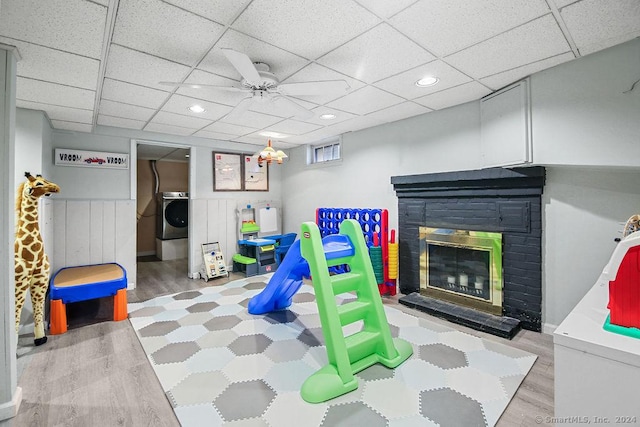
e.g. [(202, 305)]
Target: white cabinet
[(505, 126), (596, 372)]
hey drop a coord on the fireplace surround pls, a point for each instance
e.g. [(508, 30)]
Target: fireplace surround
[(503, 201)]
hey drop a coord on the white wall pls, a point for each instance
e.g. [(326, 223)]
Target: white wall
[(581, 115), (441, 141), (29, 131), (573, 124), (90, 189), (585, 209)]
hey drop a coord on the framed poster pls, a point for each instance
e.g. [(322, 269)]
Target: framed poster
[(227, 172), (256, 178)]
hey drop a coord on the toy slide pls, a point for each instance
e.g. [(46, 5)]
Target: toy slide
[(287, 279), (284, 283)]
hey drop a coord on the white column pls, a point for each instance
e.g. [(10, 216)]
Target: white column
[(10, 393)]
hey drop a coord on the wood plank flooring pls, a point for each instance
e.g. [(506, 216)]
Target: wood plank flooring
[(97, 374)]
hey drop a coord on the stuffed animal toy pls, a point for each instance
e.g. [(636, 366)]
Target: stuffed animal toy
[(31, 263), (632, 225)]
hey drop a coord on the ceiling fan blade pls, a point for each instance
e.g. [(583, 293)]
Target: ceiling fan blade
[(240, 109), (243, 64), (315, 88), (205, 86), (292, 107)]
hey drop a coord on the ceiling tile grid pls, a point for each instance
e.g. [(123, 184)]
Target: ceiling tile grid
[(74, 50), (164, 30)]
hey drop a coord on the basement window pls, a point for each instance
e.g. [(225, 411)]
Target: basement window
[(325, 151)]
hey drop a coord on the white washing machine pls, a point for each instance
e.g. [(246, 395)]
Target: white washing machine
[(172, 219)]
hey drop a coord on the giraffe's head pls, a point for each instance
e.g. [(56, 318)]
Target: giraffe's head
[(37, 186)]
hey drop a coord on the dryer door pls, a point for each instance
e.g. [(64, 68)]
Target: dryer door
[(177, 213)]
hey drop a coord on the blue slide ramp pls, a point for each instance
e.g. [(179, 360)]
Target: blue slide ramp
[(284, 283)]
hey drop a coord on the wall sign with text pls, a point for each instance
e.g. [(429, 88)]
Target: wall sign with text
[(91, 159)]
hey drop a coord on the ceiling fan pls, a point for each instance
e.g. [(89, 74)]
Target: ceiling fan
[(261, 85)]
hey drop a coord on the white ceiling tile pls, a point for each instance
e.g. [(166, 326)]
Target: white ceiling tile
[(399, 112), (501, 80), (179, 104), (403, 84), (75, 26), (256, 140), (219, 96), (222, 11), (276, 110), (365, 100), (56, 112), (76, 127), (127, 111), (317, 73), (376, 54), (598, 24), (341, 116), (281, 63), (293, 127), (447, 26), (52, 93), (120, 122), (229, 129), (165, 128), (181, 120), (214, 135), (161, 29), (355, 124), (457, 95), (385, 8), (134, 67), (253, 119), (528, 43), (562, 3), (128, 93), (308, 28), (43, 63)]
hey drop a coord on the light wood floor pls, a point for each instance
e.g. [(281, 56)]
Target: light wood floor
[(97, 374)]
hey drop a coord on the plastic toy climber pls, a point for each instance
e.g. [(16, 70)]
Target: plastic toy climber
[(375, 228), (373, 344)]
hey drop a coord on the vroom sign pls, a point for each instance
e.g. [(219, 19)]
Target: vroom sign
[(91, 159)]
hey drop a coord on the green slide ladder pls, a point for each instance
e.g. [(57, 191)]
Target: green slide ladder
[(373, 344)]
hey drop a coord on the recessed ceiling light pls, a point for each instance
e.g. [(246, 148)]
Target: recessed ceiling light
[(328, 116), (196, 109), (273, 134), (427, 81)]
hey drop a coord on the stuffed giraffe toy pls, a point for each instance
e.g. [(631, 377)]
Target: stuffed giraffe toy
[(31, 263)]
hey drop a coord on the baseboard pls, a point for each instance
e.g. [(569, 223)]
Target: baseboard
[(145, 253), (548, 328), (10, 409)]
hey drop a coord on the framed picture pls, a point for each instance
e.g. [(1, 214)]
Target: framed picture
[(227, 172), (256, 178)]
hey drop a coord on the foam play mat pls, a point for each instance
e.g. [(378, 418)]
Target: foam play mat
[(220, 365)]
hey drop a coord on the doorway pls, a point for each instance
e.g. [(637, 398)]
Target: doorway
[(162, 215)]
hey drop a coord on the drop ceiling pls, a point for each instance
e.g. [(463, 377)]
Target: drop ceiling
[(100, 63)]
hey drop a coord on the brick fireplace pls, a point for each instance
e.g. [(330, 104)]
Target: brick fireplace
[(442, 270)]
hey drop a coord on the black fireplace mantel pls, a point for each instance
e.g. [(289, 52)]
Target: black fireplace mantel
[(504, 200)]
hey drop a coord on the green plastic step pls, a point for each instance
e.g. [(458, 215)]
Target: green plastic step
[(361, 344), (346, 282), (353, 311), (241, 259)]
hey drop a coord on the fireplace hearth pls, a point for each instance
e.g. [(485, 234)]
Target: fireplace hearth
[(492, 283)]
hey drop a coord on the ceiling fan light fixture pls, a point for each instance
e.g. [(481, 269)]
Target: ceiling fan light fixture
[(198, 109), (328, 116), (269, 154), (427, 81)]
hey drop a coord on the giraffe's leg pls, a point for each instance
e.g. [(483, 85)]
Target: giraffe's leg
[(21, 287), (38, 288)]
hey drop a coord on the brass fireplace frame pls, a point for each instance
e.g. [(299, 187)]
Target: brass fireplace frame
[(466, 239)]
